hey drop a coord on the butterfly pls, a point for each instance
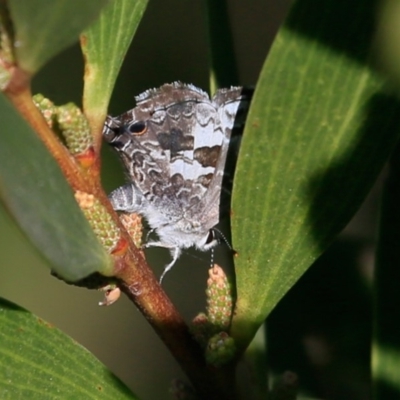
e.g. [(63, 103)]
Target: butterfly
[(174, 146)]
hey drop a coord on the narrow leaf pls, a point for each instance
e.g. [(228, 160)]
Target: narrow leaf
[(104, 45), (44, 28), (37, 361), (223, 63), (318, 133), (38, 196)]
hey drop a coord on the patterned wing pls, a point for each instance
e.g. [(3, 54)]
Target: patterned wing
[(227, 103), (174, 145), (170, 147)]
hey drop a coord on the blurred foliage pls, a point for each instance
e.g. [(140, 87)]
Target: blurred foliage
[(322, 328)]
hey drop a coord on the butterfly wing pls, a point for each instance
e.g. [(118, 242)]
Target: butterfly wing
[(159, 140), (227, 103), (174, 145)]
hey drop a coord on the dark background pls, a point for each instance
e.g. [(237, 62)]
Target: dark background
[(321, 330)]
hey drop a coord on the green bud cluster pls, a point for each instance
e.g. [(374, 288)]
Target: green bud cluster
[(220, 349), (74, 127), (69, 120), (210, 330), (219, 299), (99, 219), (46, 107)]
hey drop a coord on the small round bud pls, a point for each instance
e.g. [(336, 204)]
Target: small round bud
[(220, 349), (201, 329), (182, 391)]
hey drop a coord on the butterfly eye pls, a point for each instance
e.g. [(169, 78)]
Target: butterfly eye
[(138, 128)]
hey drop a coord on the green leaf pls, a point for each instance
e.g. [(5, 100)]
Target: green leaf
[(386, 361), (104, 46), (37, 361), (386, 343), (38, 196), (44, 28), (223, 62), (318, 133)]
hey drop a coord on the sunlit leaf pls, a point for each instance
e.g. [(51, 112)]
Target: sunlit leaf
[(104, 45), (318, 133)]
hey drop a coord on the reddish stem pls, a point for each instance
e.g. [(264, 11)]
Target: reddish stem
[(137, 280), (19, 93), (140, 285)]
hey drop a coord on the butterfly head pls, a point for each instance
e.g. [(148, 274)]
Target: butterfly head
[(111, 129)]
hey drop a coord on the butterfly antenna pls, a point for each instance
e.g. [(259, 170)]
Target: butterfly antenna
[(225, 240), (212, 257)]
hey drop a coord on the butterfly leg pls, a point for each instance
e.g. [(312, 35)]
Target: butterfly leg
[(175, 253)]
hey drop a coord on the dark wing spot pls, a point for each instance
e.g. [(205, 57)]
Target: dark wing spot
[(177, 181), (207, 156), (157, 190), (205, 180), (194, 200), (155, 176), (175, 141)]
